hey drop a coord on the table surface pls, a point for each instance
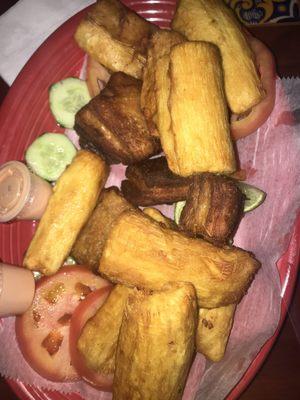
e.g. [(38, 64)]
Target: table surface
[(279, 377)]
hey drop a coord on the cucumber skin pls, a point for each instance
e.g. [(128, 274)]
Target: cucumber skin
[(33, 155), (56, 89)]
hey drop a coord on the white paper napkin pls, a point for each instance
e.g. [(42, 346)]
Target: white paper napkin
[(26, 25)]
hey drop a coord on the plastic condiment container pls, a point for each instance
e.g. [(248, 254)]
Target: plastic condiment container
[(17, 288), (23, 195)]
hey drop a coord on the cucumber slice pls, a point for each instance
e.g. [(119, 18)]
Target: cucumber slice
[(254, 196), (49, 155), (66, 97), (177, 210)]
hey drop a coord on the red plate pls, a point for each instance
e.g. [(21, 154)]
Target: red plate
[(25, 115)]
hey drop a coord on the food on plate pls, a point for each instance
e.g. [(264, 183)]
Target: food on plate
[(213, 209), (115, 36), (74, 198), (254, 196), (214, 326), (23, 195), (114, 124), (156, 347), (97, 76), (80, 317), (66, 97), (159, 45), (98, 340), (159, 217), (153, 255), (243, 125), (89, 244), (151, 182), (197, 135), (49, 155), (43, 330), (15, 280), (212, 21)]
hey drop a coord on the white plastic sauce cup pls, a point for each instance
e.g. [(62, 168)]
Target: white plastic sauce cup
[(23, 195)]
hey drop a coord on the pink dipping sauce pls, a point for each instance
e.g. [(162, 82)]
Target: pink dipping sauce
[(17, 288), (23, 195)]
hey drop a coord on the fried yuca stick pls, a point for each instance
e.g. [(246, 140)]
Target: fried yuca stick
[(98, 340), (159, 217), (115, 36), (198, 110), (214, 326), (153, 255), (156, 344), (162, 90), (160, 44), (212, 21), (74, 198)]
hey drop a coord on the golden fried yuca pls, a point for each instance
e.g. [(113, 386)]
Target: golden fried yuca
[(98, 340), (160, 44), (214, 326), (159, 217), (198, 111), (162, 90), (156, 344), (89, 244), (212, 21), (74, 198), (115, 36), (153, 255)]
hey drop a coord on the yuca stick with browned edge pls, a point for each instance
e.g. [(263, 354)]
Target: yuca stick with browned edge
[(191, 110), (153, 255), (74, 198), (214, 22), (156, 344), (115, 36), (160, 44), (214, 325), (98, 340)]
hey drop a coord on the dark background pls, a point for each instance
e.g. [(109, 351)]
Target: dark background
[(279, 377)]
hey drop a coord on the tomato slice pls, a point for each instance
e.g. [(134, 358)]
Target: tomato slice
[(86, 310), (96, 76), (43, 330), (259, 114)]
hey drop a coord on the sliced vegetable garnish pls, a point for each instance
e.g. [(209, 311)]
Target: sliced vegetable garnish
[(49, 155), (66, 97), (43, 330), (254, 196), (177, 210)]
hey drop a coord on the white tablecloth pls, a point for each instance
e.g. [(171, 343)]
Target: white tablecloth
[(26, 25)]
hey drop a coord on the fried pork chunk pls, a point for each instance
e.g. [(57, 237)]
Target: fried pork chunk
[(89, 244), (113, 125), (153, 255), (213, 209), (115, 36), (156, 344), (151, 182)]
